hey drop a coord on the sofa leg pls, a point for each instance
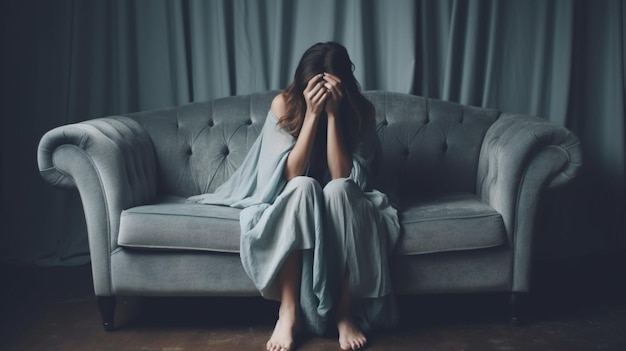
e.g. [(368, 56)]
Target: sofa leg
[(106, 304), (518, 302)]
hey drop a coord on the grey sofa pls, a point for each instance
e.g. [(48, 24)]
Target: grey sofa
[(467, 182)]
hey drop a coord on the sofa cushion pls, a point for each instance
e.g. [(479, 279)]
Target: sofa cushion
[(450, 222), (174, 223)]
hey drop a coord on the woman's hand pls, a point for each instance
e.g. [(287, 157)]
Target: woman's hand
[(315, 95), (335, 91)]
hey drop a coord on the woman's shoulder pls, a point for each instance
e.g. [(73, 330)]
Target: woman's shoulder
[(279, 105)]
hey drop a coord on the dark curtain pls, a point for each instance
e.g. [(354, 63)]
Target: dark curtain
[(65, 61)]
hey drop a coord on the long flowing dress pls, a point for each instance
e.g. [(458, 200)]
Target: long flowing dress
[(338, 224)]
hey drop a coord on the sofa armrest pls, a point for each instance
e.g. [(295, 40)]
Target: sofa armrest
[(111, 162), (520, 157)]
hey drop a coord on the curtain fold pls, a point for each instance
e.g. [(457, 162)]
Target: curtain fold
[(71, 60), (597, 116)]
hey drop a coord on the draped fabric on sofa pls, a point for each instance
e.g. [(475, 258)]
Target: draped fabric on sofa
[(66, 61)]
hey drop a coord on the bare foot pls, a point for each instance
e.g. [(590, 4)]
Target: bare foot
[(282, 338), (350, 336)]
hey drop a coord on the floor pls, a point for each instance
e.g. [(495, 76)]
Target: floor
[(577, 304)]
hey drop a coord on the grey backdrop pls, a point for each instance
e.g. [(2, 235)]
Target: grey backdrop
[(65, 61)]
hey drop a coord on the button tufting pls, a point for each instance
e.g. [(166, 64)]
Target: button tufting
[(225, 150), (405, 152), (211, 123), (249, 122), (385, 123), (189, 152)]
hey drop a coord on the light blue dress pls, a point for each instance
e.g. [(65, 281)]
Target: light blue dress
[(337, 224)]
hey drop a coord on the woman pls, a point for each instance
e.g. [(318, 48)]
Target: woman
[(315, 235)]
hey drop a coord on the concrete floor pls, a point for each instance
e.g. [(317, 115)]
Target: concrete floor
[(573, 307)]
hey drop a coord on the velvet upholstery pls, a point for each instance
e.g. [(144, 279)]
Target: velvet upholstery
[(466, 180)]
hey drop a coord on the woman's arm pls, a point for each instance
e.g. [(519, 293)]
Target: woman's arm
[(339, 159), (315, 95)]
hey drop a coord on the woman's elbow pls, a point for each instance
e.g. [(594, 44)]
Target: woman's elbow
[(289, 174), (343, 172)]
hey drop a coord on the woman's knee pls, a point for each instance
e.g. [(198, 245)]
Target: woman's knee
[(304, 185), (339, 188)]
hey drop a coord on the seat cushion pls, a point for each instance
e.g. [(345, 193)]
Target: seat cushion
[(450, 222), (174, 223), (445, 223)]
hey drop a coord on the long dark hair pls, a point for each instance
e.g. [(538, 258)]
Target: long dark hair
[(332, 58)]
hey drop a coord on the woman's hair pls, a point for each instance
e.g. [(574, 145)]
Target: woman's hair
[(331, 58)]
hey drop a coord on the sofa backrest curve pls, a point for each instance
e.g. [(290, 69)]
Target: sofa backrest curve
[(428, 146)]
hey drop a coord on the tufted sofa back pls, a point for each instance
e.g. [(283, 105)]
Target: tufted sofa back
[(428, 146)]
